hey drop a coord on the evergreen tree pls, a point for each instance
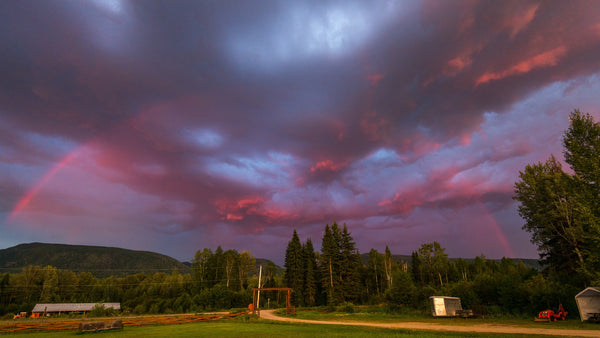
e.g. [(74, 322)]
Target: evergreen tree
[(331, 259), (349, 267), (417, 268), (294, 269), (326, 262), (310, 274)]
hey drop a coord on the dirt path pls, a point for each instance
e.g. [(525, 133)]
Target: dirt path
[(479, 328)]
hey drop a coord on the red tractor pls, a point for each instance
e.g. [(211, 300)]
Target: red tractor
[(20, 315), (550, 315)]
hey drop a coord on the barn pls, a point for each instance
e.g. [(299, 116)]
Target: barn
[(588, 303), (61, 308), (443, 306)]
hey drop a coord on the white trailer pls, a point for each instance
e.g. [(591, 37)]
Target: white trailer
[(444, 306)]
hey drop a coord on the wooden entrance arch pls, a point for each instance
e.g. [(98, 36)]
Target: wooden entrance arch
[(289, 308)]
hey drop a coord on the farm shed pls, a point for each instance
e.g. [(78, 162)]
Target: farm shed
[(588, 303), (59, 308), (443, 306)]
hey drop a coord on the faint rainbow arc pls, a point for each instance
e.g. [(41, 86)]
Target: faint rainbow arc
[(499, 233), (24, 201), (494, 225)]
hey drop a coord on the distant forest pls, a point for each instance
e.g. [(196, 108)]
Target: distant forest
[(334, 276)]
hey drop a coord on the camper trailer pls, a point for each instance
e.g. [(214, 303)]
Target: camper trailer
[(443, 306)]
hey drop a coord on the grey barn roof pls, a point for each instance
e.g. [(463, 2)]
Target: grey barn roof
[(72, 307)]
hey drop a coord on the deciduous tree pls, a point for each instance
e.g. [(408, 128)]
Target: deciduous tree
[(561, 210)]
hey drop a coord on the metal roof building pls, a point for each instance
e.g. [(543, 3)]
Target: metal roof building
[(71, 307)]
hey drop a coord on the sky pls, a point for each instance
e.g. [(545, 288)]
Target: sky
[(171, 126)]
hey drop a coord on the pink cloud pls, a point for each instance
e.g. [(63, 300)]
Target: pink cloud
[(249, 207), (517, 22), (457, 64), (545, 59), (326, 165)]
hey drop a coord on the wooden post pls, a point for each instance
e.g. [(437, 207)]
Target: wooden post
[(289, 306), (255, 308), (258, 296), (253, 301)]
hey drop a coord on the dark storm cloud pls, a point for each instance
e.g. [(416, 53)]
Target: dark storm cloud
[(230, 119)]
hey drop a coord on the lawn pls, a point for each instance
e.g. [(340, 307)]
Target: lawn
[(256, 328), (368, 315)]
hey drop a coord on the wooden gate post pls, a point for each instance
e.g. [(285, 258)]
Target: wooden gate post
[(288, 301), (253, 301), (289, 305)]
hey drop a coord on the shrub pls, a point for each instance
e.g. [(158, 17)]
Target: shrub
[(347, 308), (100, 311)]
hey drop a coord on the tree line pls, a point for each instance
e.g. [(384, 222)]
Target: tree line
[(220, 280), (337, 276)]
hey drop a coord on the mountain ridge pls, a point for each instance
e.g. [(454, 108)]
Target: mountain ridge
[(101, 261)]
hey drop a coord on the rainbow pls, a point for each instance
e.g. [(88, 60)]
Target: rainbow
[(24, 201)]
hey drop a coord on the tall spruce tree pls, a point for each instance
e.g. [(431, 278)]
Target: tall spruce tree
[(294, 269), (417, 268), (331, 258), (326, 263), (349, 267), (310, 274)]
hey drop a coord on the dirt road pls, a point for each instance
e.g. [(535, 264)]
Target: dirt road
[(479, 328)]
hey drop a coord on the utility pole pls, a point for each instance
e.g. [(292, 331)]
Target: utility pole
[(258, 295)]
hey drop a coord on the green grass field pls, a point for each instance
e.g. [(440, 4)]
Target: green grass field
[(256, 328), (379, 317), (248, 326), (368, 315)]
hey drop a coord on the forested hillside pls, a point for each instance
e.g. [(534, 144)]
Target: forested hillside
[(100, 261)]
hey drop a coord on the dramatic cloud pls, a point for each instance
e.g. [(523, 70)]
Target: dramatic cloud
[(174, 126)]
